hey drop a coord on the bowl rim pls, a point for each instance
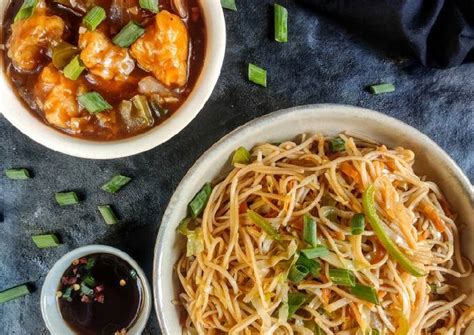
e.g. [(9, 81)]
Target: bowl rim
[(30, 125), (51, 314), (261, 121)]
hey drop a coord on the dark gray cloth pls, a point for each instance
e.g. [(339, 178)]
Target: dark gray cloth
[(439, 32)]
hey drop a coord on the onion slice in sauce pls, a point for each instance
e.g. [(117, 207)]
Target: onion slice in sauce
[(180, 8)]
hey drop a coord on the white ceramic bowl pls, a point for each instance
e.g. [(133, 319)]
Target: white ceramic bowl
[(431, 160), (21, 118), (49, 306)]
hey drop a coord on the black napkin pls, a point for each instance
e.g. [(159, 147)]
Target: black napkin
[(439, 32)]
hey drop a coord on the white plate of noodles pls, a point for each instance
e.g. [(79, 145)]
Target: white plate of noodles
[(321, 219)]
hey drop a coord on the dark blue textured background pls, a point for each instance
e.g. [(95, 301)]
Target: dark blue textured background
[(322, 62)]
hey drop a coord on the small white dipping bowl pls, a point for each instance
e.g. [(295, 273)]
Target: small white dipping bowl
[(30, 125), (430, 159), (49, 305)]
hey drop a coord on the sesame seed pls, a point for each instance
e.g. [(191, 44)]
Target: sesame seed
[(59, 294), (122, 282), (76, 287), (75, 262)]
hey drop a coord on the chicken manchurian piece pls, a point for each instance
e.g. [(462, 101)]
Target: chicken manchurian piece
[(31, 38), (57, 97), (163, 49), (103, 58)]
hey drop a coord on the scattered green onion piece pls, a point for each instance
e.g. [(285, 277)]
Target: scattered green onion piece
[(342, 277), (108, 214), (74, 69), (143, 109), (94, 102), (46, 241), (229, 4), (151, 5), (297, 273), (94, 18), (133, 274), (366, 293), (183, 226), (116, 183), (257, 75), (17, 174), (337, 145), (319, 251), (375, 332), (313, 265), (89, 281), (433, 289), (199, 202), (241, 156), (66, 198), (381, 88), (26, 10), (14, 293), (90, 263), (310, 230), (63, 53), (392, 249), (86, 289), (264, 224), (67, 294), (281, 23), (319, 331), (295, 301), (128, 35), (357, 224)]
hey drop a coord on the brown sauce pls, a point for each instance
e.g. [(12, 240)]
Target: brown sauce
[(24, 83), (114, 302)]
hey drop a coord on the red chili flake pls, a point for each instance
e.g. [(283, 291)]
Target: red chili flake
[(83, 260), (99, 288), (100, 298), (85, 299), (68, 280)]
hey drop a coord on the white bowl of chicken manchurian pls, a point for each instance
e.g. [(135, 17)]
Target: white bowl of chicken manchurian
[(108, 78)]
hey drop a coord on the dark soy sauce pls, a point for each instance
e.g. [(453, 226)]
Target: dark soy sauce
[(116, 300)]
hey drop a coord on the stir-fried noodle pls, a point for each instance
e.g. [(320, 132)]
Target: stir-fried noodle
[(249, 268)]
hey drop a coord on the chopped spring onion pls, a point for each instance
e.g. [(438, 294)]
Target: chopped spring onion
[(14, 293), (313, 265), (116, 183), (108, 214), (337, 145), (319, 331), (295, 301), (381, 88), (309, 230), (74, 69), (63, 53), (297, 273), (433, 289), (195, 242), (375, 332), (93, 102), (368, 203), (151, 5), (366, 293), (241, 156), (46, 241), (18, 174), (264, 224), (357, 224), (26, 10), (66, 198), (89, 280), (90, 263), (67, 294), (319, 251), (94, 17), (229, 4), (199, 202), (342, 277), (86, 289), (129, 34), (257, 75), (281, 24), (142, 107)]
